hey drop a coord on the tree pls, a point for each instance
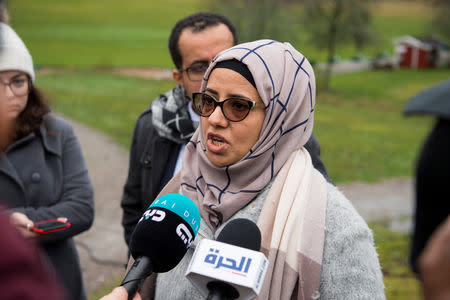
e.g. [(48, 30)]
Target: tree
[(441, 20), (258, 19), (333, 22)]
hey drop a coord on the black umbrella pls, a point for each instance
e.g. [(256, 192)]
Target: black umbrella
[(434, 101)]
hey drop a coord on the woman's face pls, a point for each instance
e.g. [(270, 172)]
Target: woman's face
[(13, 93), (228, 142)]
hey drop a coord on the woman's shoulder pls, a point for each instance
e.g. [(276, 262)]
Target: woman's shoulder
[(350, 266), (55, 124), (55, 132)]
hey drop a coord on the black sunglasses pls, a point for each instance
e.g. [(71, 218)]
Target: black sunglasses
[(235, 109)]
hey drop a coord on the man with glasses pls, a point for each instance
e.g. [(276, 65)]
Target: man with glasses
[(164, 128)]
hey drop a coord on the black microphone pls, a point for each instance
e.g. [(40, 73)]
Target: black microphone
[(161, 238), (232, 266), (242, 233)]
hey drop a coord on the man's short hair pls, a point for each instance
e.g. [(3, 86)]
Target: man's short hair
[(197, 22)]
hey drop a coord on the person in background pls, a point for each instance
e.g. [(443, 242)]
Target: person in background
[(23, 273), (42, 171), (247, 160), (163, 129), (431, 194)]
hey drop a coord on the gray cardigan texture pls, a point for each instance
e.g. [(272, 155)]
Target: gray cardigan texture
[(350, 266), (44, 176)]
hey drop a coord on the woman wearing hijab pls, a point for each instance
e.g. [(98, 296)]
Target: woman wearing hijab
[(247, 160), (42, 171)]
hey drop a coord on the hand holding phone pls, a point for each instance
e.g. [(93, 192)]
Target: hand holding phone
[(23, 224), (49, 226)]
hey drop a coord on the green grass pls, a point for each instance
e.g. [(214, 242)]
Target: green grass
[(107, 32), (360, 125), (390, 20), (110, 103), (88, 33), (393, 251)]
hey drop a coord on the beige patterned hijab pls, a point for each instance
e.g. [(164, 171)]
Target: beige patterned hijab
[(285, 82)]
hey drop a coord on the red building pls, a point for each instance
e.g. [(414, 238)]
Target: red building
[(420, 53)]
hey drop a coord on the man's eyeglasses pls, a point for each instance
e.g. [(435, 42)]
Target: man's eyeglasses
[(234, 109), (195, 71), (20, 86)]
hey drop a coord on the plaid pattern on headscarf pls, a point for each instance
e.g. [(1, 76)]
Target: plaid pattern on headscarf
[(285, 82)]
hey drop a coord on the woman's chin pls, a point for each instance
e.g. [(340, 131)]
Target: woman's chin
[(218, 160), (10, 115)]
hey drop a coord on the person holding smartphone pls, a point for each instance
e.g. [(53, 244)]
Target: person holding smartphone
[(43, 176)]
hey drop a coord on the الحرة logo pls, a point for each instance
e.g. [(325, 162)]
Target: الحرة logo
[(239, 266)]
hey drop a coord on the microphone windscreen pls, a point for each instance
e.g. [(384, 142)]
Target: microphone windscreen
[(242, 233), (165, 231)]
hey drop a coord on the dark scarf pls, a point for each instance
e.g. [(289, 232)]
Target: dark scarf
[(171, 118)]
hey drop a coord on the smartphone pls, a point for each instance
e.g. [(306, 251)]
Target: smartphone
[(49, 226)]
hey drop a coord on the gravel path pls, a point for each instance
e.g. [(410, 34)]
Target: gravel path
[(165, 73), (102, 249)]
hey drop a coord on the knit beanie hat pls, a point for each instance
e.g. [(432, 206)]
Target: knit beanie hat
[(14, 54)]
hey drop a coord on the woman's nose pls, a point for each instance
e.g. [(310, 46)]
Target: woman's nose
[(7, 90), (217, 118)]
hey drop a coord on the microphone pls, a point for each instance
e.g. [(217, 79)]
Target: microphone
[(161, 238), (231, 267)]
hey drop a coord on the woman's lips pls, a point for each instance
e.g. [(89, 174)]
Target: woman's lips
[(216, 143), (15, 107)]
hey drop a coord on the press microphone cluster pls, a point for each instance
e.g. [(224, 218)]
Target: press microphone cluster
[(161, 238), (232, 266)]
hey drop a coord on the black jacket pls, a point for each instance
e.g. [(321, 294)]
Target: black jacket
[(152, 162), (149, 156)]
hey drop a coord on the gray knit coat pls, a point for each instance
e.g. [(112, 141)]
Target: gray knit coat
[(350, 266)]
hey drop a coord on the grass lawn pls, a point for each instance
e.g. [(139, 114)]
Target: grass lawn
[(110, 103), (393, 252), (390, 20), (360, 125), (86, 33)]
